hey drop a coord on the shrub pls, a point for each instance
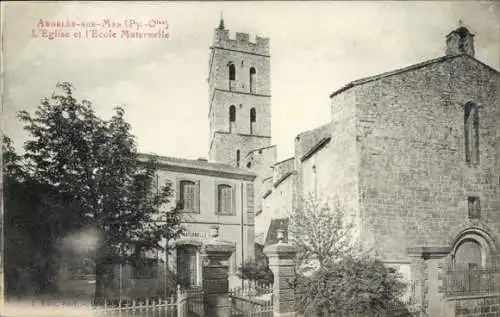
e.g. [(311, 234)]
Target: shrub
[(349, 286), (256, 271)]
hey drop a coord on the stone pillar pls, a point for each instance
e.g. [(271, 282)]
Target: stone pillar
[(215, 257), (430, 259), (282, 259)]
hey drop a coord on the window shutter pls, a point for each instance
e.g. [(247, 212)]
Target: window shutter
[(233, 200), (197, 197), (177, 190), (227, 200), (189, 195)]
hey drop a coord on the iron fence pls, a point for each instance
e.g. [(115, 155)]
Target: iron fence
[(183, 303), (252, 300), (160, 307), (471, 281)]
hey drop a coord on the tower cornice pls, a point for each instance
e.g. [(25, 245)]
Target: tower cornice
[(241, 51)]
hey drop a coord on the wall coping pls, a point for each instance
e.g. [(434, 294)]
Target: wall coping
[(428, 251), (279, 248), (218, 246), (475, 296)]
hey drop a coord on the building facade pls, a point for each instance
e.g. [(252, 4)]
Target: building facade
[(213, 199), (415, 154)]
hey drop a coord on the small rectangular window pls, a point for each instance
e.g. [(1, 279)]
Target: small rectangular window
[(474, 207)]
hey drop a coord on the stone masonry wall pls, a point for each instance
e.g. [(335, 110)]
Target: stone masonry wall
[(414, 181), (226, 145), (342, 171), (477, 307)]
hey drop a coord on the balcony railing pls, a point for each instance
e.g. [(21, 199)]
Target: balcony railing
[(471, 282)]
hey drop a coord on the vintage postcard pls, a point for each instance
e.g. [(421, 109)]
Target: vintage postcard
[(217, 159)]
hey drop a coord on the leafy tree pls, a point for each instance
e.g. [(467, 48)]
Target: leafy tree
[(29, 258), (353, 285), (322, 230), (96, 171)]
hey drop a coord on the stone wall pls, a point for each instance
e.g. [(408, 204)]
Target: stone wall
[(488, 306), (343, 171), (413, 178)]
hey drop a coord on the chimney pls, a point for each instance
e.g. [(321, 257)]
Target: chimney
[(460, 41)]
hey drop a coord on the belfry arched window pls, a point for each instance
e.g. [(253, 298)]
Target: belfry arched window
[(232, 117), (232, 72), (253, 74), (253, 119), (237, 158)]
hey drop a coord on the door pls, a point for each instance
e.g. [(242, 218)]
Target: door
[(187, 270)]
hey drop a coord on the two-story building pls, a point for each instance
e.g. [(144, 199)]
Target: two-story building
[(213, 197)]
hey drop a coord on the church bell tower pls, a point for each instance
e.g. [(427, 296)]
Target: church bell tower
[(239, 96)]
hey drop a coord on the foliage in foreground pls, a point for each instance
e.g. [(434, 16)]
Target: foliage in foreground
[(349, 286), (323, 230), (86, 173)]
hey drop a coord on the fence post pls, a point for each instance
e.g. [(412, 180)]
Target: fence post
[(215, 255), (181, 301), (282, 259)]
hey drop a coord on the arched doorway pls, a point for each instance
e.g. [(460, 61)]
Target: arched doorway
[(471, 256), (468, 255)]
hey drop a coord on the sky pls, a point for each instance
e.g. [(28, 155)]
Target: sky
[(316, 48)]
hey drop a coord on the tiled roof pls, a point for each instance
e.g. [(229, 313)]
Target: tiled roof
[(315, 148), (308, 139), (199, 165)]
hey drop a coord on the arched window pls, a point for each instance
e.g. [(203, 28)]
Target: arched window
[(253, 118), (253, 73), (232, 117), (471, 131), (232, 113), (237, 158), (232, 72)]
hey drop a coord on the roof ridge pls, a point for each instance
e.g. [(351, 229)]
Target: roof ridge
[(397, 71)]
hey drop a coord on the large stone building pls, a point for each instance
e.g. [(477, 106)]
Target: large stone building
[(415, 154)]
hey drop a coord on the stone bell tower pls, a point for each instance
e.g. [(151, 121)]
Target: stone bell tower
[(460, 41), (239, 96)]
